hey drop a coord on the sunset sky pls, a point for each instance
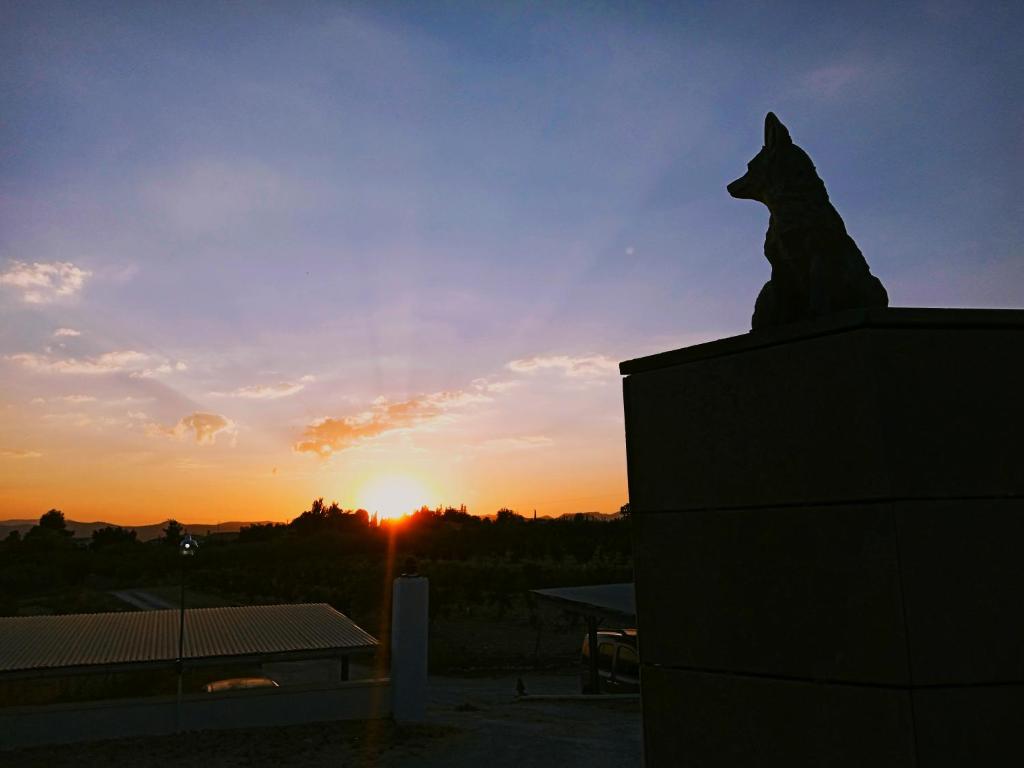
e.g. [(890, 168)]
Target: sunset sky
[(391, 253)]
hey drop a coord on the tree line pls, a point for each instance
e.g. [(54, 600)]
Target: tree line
[(326, 554)]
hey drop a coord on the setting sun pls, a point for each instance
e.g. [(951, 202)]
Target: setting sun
[(392, 496)]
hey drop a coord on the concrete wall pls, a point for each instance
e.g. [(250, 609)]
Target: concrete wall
[(95, 721), (828, 526)]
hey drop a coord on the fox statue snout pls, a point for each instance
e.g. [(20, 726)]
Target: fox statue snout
[(741, 188), (817, 268)]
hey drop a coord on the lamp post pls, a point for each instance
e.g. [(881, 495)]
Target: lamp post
[(187, 548)]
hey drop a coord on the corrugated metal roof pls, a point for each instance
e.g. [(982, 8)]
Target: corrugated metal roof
[(619, 599), (86, 639)]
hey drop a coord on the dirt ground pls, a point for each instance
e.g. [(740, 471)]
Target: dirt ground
[(470, 722)]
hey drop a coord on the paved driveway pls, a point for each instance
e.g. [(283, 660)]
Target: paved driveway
[(471, 722), (496, 730)]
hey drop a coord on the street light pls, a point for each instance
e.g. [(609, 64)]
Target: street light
[(187, 548)]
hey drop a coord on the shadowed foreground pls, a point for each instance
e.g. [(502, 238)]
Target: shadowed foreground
[(471, 722)]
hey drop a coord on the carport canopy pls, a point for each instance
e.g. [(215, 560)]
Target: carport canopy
[(32, 646), (600, 600), (595, 602)]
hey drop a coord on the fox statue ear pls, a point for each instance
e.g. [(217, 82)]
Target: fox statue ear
[(774, 131)]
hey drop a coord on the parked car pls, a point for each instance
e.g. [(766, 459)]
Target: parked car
[(239, 684), (618, 662)]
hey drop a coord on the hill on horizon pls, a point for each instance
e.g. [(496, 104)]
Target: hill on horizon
[(152, 531), (143, 532)]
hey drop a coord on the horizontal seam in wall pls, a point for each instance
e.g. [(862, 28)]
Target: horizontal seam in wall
[(833, 681), (834, 503)]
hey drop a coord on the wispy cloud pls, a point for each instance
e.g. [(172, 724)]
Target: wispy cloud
[(588, 367), (204, 427), (66, 332), (493, 386), (212, 193), (72, 419), (63, 399), (20, 454), (164, 367), (43, 282), (268, 391), (136, 364), (830, 80), (521, 443), (108, 362), (331, 435)]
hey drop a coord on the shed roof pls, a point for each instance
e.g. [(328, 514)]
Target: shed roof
[(40, 643), (599, 599)]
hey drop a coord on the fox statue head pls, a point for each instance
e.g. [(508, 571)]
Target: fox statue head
[(780, 172)]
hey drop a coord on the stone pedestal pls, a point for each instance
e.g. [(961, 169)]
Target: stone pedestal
[(829, 542)]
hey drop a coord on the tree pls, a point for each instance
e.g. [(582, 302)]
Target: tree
[(506, 515), (457, 514), (112, 536), (51, 532), (54, 521), (173, 533)]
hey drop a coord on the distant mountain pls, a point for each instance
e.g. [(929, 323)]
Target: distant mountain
[(595, 515), (156, 530), (144, 532), (568, 515)]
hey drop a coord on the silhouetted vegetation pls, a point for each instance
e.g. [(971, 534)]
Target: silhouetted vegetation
[(325, 554), (173, 533)]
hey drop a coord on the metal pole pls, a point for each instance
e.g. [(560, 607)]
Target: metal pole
[(595, 680), (181, 643)]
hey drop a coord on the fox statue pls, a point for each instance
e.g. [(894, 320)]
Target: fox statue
[(817, 268)]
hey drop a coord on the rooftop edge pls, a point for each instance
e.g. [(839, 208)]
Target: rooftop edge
[(841, 322)]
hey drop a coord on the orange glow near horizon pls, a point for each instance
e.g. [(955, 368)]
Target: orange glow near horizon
[(81, 450), (393, 496)]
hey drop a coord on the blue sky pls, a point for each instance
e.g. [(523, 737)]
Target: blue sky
[(298, 216)]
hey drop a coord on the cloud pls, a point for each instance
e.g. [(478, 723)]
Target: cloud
[(108, 362), (137, 364), (66, 332), (828, 81), (211, 194), (268, 391), (522, 443), (590, 367), (331, 435), (165, 367), (73, 419), (20, 454), (496, 387), (77, 398), (43, 282), (204, 427)]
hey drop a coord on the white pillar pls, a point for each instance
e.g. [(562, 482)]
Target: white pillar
[(409, 624)]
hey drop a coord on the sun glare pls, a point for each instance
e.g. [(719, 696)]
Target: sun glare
[(392, 496)]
